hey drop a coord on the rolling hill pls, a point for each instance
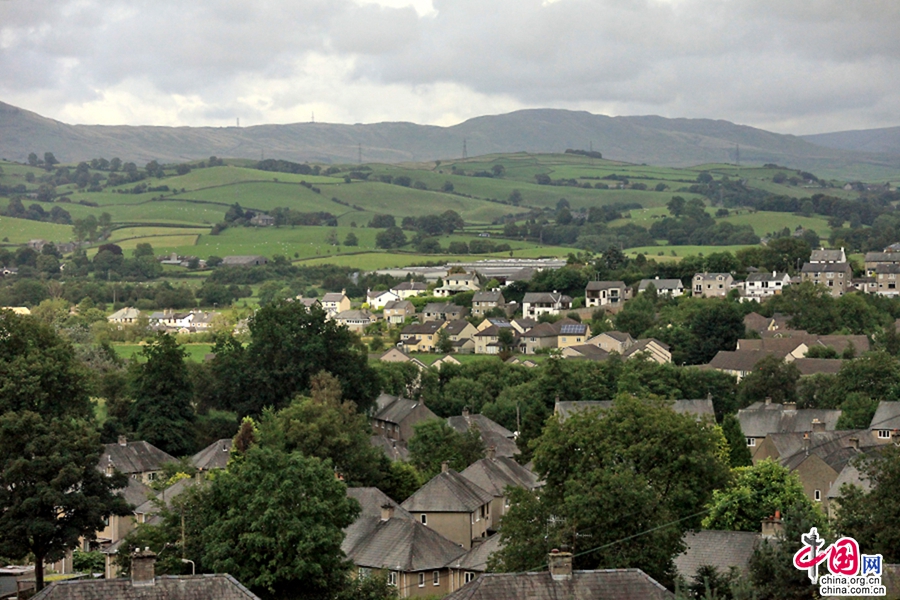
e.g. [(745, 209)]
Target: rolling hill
[(646, 139), (885, 140)]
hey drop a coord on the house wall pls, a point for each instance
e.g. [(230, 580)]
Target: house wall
[(564, 341), (764, 449), (815, 474), (531, 347), (456, 527), (418, 414)]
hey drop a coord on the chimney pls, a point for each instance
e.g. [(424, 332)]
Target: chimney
[(492, 452), (768, 400), (387, 512), (445, 467), (806, 442), (854, 443), (818, 426), (790, 406), (465, 411), (560, 565), (143, 566), (772, 526), (123, 441)]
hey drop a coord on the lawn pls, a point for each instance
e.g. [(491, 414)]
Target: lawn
[(195, 352)]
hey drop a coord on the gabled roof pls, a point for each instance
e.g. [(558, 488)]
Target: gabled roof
[(214, 456), (494, 475), (391, 448), (541, 330), (421, 328), (643, 345), (760, 420), (441, 307), (840, 267), (333, 297), (476, 559), (136, 493), (814, 366), (619, 336), (661, 284), (377, 293), (413, 286), (756, 322), (711, 276), (491, 296), (887, 416), (133, 457), (353, 315), (588, 351), (494, 331), (827, 255), (165, 587), (397, 410), (850, 475), (736, 360), (456, 326), (596, 286), (397, 544), (150, 506), (371, 499), (492, 434), (779, 347), (608, 584), (768, 276), (720, 549), (551, 297), (448, 492), (400, 305), (888, 257), (124, 313)]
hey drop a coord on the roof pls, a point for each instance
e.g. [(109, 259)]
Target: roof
[(371, 499), (353, 315), (719, 549), (850, 475), (608, 584), (619, 336), (421, 328), (541, 330), (391, 448), (415, 286), (456, 326), (448, 492), (887, 416), (736, 360), (572, 328), (596, 286), (823, 255), (494, 475), (487, 297), (756, 322), (661, 284), (888, 257), (167, 587), (779, 347), (588, 351), (333, 297), (397, 544), (813, 366), (760, 420), (214, 456), (400, 304), (476, 559), (768, 276), (552, 297), (133, 457), (165, 497), (840, 267), (712, 276), (888, 268), (396, 410), (136, 493), (642, 345), (125, 313)]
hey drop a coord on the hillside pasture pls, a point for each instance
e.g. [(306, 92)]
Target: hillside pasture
[(18, 231)]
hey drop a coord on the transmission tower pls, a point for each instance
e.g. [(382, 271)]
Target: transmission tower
[(359, 154), (465, 151)]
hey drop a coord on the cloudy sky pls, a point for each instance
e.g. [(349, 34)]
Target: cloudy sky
[(791, 66)]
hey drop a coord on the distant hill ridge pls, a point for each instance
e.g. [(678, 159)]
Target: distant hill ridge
[(643, 139)]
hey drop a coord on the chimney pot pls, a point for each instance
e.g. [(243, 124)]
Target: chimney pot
[(143, 567), (492, 452), (445, 467), (768, 400), (560, 565), (772, 526), (854, 443), (387, 512), (818, 426), (123, 441), (790, 406), (465, 411)]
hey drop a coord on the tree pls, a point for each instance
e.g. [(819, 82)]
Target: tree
[(392, 237), (444, 343), (507, 341), (738, 452), (49, 160), (515, 197), (754, 494), (864, 515), (350, 240), (771, 378), (51, 491), (383, 222), (161, 413), (717, 326), (435, 442), (676, 206)]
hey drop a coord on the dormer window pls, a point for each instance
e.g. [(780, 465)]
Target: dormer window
[(884, 434)]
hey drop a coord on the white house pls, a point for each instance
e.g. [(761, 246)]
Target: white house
[(672, 287), (377, 300), (764, 285), (536, 304)]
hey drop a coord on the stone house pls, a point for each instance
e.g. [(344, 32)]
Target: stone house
[(483, 302), (606, 293), (395, 417), (835, 276), (334, 302), (535, 304), (712, 285), (397, 311)]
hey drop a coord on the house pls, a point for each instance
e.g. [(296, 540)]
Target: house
[(497, 438), (720, 549), (145, 585), (455, 283), (215, 456), (453, 506), (699, 409), (168, 320), (886, 279), (606, 293), (355, 320), (522, 324), (117, 527), (571, 333), (543, 336), (413, 556), (613, 341), (462, 335), (445, 360), (670, 287), (203, 320), (739, 363), (125, 316), (585, 351), (649, 349), (244, 261), (483, 302), (420, 337), (435, 311), (139, 460), (395, 355), (397, 311), (495, 474), (377, 300), (886, 421), (535, 304), (333, 302), (262, 220), (851, 476), (712, 285), (793, 346), (309, 303), (823, 256), (760, 286), (560, 581), (835, 276), (873, 259), (487, 341), (408, 289), (395, 417), (393, 449), (474, 562), (762, 419)]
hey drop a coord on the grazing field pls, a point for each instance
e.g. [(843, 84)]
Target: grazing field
[(195, 352), (678, 252), (19, 231)]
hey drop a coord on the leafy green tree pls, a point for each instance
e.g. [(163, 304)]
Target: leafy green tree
[(444, 343), (350, 240), (161, 413), (754, 494), (435, 442), (738, 452), (51, 491), (718, 326), (865, 515), (392, 237), (251, 524), (636, 317), (771, 378), (507, 340)]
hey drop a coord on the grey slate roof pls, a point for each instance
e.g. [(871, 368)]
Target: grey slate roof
[(136, 493), (590, 351), (767, 276), (476, 559), (214, 456), (720, 549), (168, 587), (533, 297), (400, 305), (165, 497), (397, 544), (393, 449), (421, 328), (888, 257), (456, 326), (826, 255), (415, 286), (332, 297), (371, 499), (736, 360), (851, 475), (698, 408), (490, 296), (609, 584), (494, 475), (641, 346), (825, 268), (448, 492), (619, 336), (133, 457), (661, 285), (813, 366), (596, 286), (492, 433), (887, 416), (395, 409), (760, 420)]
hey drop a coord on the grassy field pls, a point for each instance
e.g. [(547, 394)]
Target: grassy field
[(195, 352), (19, 231), (677, 252)]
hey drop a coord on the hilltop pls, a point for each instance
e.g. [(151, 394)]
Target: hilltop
[(642, 139)]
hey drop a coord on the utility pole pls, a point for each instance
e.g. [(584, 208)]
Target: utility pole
[(359, 154)]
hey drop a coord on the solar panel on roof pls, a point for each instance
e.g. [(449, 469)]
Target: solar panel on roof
[(572, 328)]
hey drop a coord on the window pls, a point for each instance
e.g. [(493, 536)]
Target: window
[(469, 576), (424, 518), (421, 579), (364, 572), (884, 434), (818, 495), (392, 578), (436, 578), (751, 442)]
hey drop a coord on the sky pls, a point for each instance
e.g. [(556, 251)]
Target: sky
[(789, 66)]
